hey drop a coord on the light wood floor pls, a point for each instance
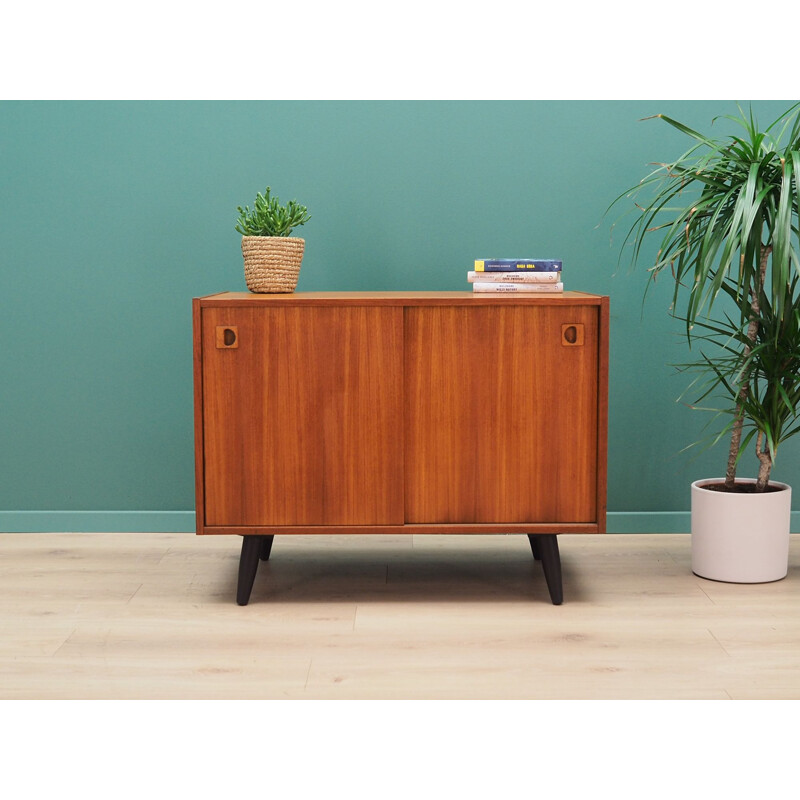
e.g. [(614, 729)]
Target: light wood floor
[(123, 615)]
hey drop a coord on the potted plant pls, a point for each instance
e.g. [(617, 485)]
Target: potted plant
[(725, 215), (272, 257)]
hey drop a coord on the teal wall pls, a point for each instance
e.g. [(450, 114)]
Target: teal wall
[(113, 215)]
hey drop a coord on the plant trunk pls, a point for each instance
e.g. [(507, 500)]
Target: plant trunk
[(765, 466), (736, 439), (744, 390)]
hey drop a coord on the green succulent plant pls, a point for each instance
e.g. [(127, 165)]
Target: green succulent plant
[(270, 218)]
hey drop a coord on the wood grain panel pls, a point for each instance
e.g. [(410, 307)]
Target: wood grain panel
[(197, 380), (423, 529), (501, 418), (602, 413), (462, 298), (303, 421)]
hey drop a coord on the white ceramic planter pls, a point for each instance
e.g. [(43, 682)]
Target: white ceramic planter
[(740, 538)]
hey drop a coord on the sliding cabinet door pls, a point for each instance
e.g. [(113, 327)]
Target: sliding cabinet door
[(501, 413), (303, 415)]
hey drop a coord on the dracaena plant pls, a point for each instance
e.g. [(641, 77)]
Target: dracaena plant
[(269, 217), (725, 216), (758, 381)]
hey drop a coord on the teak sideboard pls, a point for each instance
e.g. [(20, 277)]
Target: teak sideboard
[(400, 412)]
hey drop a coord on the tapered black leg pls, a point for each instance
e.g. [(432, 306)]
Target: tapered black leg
[(266, 546), (551, 563), (248, 564), (534, 540)]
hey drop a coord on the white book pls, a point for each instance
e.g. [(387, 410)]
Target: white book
[(521, 288), (514, 277)]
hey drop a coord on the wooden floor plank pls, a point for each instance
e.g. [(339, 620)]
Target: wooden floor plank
[(115, 615)]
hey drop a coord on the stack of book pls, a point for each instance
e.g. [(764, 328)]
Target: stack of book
[(532, 275)]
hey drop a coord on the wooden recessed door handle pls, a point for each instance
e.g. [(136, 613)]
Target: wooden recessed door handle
[(572, 335), (227, 337)]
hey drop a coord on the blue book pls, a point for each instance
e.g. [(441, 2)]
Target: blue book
[(517, 264)]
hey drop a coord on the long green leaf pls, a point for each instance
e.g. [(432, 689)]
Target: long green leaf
[(781, 240)]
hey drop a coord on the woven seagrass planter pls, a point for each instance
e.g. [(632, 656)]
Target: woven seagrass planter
[(272, 263)]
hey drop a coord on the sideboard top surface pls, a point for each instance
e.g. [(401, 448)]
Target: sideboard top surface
[(400, 298)]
